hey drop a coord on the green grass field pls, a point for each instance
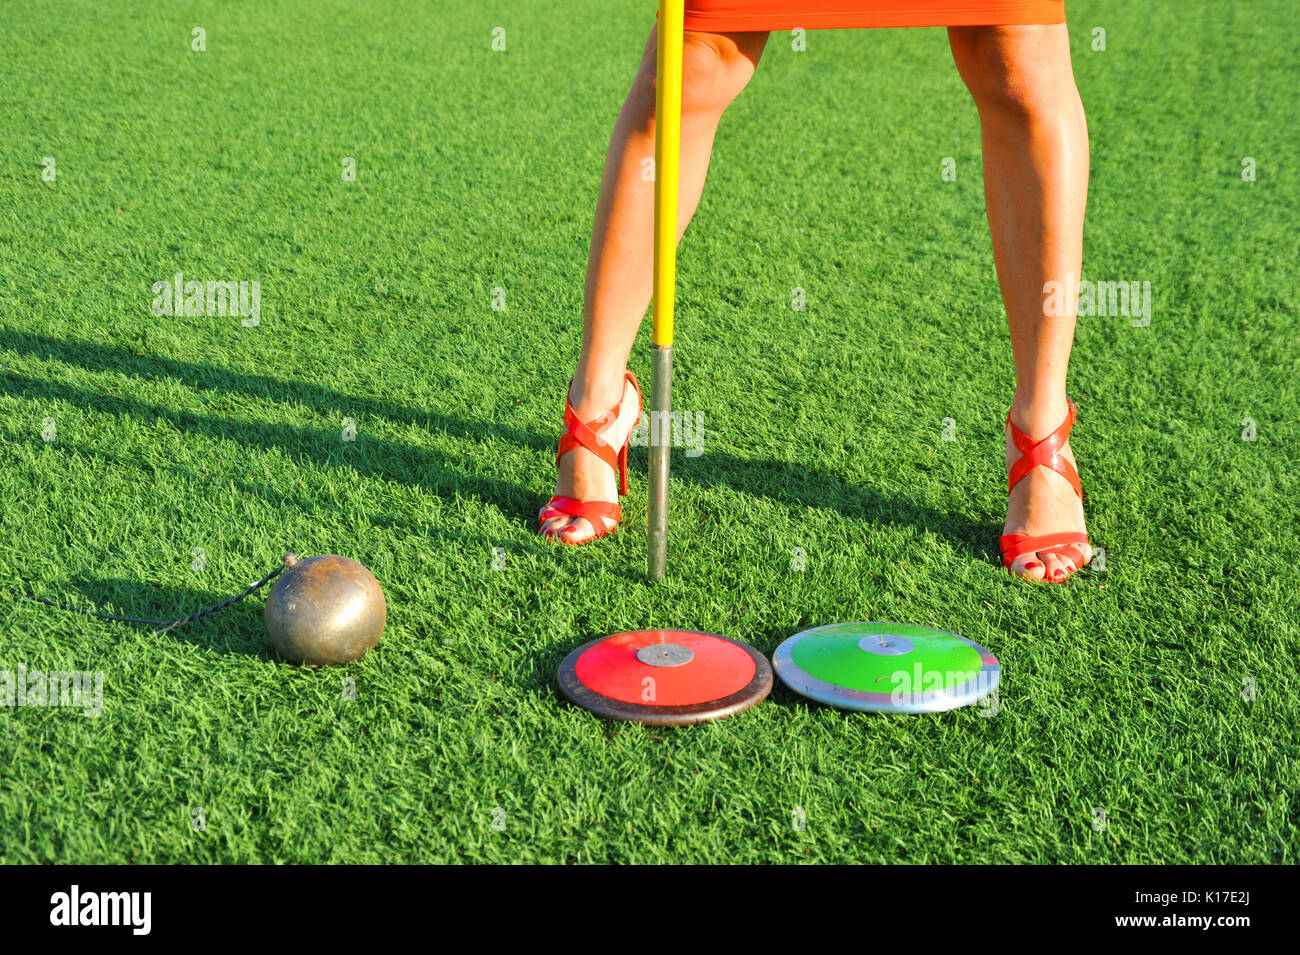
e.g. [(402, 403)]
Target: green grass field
[(1126, 690)]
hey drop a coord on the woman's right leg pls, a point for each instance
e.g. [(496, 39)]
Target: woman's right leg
[(715, 68)]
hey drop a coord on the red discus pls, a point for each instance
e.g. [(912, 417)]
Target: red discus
[(665, 677)]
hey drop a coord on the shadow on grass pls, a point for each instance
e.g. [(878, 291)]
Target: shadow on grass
[(796, 486), (440, 474), (301, 502)]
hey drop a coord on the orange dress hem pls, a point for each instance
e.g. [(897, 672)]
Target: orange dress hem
[(736, 16)]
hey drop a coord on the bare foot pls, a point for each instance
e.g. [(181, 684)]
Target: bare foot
[(1044, 502), (582, 475)]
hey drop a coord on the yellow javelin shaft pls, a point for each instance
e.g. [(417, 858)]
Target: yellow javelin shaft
[(668, 150)]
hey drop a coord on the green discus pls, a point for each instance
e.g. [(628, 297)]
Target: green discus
[(886, 667)]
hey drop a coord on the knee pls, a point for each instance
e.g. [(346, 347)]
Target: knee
[(715, 68), (1022, 70)]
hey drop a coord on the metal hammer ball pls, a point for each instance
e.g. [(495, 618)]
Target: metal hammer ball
[(325, 610)]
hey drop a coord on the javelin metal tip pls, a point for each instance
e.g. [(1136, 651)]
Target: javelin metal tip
[(661, 443)]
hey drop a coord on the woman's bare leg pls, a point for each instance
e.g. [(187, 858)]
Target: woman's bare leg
[(715, 68), (1035, 141)]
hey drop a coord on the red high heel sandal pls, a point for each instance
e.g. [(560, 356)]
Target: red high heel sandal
[(1046, 454), (603, 516)]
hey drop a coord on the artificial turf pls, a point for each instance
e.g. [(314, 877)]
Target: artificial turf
[(1126, 691)]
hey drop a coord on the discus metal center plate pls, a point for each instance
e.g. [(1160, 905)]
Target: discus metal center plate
[(886, 644), (665, 655)]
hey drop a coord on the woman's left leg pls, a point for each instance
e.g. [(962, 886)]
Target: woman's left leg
[(1035, 143)]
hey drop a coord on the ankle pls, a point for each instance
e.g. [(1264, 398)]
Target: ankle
[(593, 395), (1039, 415)]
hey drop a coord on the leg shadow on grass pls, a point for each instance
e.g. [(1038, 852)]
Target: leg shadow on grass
[(438, 473), (287, 500), (789, 483), (325, 401), (797, 486)]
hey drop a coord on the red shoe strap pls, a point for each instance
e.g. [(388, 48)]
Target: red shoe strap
[(1044, 453), (1015, 546), (590, 511), (582, 434)]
